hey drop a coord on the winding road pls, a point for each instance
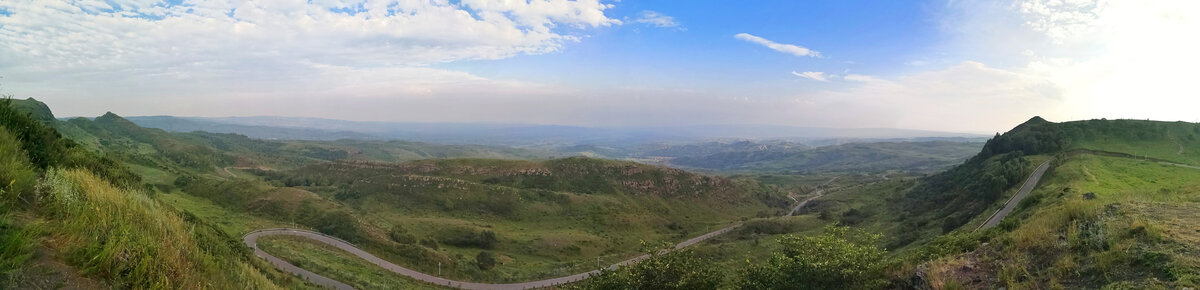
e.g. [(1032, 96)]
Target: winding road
[(1009, 206), (816, 193), (251, 239)]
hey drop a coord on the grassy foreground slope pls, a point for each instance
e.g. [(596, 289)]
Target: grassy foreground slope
[(71, 218), (1104, 217), (1118, 221)]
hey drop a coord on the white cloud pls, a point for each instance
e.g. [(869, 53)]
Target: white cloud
[(860, 78), (656, 19), (133, 37), (197, 57), (813, 75), (784, 48)]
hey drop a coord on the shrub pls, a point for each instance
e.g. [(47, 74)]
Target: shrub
[(401, 235), (485, 260), (679, 269), (466, 237), (837, 259)]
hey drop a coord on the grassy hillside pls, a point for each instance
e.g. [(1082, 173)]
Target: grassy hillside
[(88, 223), (543, 219), (539, 218), (106, 203), (1105, 217), (922, 157)]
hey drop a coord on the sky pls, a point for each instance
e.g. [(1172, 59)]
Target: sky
[(947, 65)]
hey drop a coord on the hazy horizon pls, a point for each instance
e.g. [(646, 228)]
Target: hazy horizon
[(945, 65)]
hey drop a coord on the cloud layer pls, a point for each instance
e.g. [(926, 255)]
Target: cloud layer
[(217, 37)]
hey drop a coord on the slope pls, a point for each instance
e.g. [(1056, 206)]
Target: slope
[(1110, 214), (89, 215), (545, 219)]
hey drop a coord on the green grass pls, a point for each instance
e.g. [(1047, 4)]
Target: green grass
[(545, 225), (16, 247), (1174, 141), (132, 241), (924, 157), (231, 222), (336, 264), (1139, 231)]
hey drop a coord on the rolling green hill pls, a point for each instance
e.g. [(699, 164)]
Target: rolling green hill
[(1109, 214), (923, 157), (545, 218)]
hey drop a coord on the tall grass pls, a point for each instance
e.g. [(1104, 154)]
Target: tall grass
[(16, 247), (133, 241), (17, 176)]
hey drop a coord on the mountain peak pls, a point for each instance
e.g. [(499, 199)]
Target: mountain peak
[(39, 110)]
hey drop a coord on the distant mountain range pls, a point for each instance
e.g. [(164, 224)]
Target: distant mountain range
[(529, 135)]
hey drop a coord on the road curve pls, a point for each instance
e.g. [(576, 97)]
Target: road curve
[(251, 240), (820, 191), (1027, 187)]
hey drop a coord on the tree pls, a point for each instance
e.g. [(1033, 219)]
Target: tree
[(839, 258), (485, 260)]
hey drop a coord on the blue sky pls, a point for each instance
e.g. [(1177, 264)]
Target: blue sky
[(703, 53), (950, 65)]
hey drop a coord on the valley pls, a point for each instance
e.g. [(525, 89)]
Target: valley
[(1083, 204)]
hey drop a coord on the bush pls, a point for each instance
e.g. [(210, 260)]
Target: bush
[(401, 235), (837, 259), (679, 269), (466, 237), (485, 260), (429, 243)]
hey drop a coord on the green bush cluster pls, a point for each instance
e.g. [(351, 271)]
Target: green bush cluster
[(681, 270), (466, 237), (839, 258)]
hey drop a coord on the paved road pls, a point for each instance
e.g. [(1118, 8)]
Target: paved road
[(251, 239), (1180, 165), (1030, 183), (817, 193)]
